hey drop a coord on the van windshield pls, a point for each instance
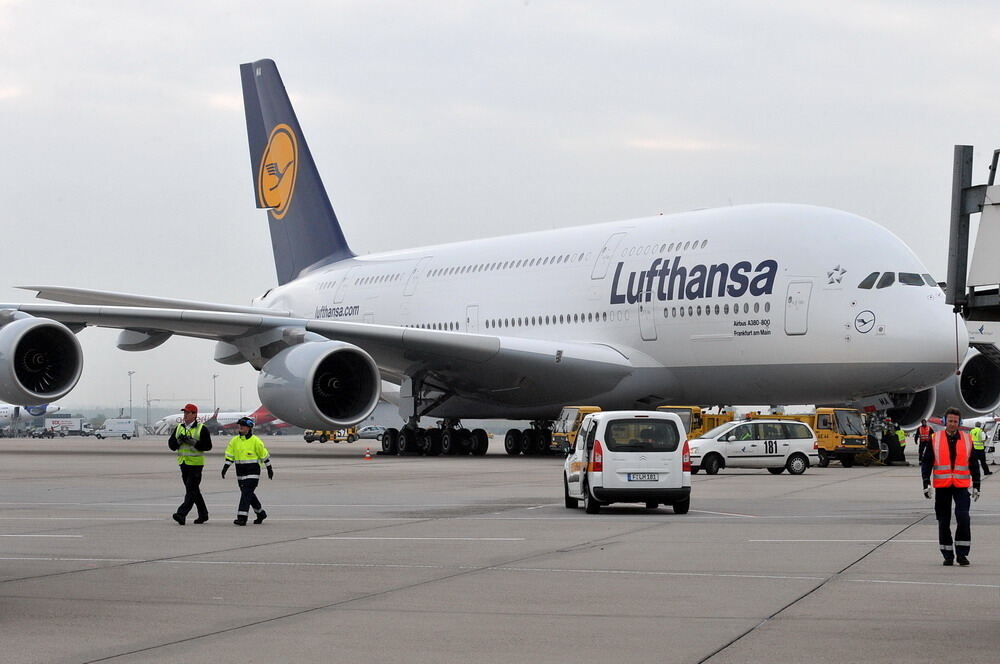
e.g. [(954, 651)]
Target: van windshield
[(849, 423), (641, 436)]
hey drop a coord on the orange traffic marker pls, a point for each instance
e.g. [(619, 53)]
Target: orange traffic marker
[(368, 453)]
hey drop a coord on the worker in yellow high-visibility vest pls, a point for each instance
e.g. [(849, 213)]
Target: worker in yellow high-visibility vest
[(979, 447), (191, 439), (247, 451)]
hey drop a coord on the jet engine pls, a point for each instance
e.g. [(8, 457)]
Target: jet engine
[(40, 361), (975, 390), (911, 408), (320, 385)]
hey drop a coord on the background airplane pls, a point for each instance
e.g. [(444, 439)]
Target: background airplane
[(9, 413), (740, 305)]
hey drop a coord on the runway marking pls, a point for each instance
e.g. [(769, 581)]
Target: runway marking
[(868, 541), (460, 539), (41, 535), (749, 516), (410, 505), (928, 583)]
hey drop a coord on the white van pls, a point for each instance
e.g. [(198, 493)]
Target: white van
[(777, 445), (629, 456), (118, 427)]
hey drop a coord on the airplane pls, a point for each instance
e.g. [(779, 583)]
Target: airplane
[(219, 422), (751, 304), (9, 413)]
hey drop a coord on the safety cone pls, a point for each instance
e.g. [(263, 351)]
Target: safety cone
[(368, 453)]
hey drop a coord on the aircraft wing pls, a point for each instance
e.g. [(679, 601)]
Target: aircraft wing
[(115, 298), (470, 364)]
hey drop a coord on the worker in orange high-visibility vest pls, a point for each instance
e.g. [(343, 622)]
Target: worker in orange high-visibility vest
[(922, 436), (948, 467)]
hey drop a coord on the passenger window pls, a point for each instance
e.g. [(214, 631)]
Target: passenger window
[(742, 432), (910, 279), (796, 430), (888, 279), (868, 281)]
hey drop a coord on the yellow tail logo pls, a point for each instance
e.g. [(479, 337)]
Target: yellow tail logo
[(278, 166)]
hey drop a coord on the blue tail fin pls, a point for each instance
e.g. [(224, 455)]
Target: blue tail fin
[(304, 228)]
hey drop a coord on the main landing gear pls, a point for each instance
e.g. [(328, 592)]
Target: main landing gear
[(450, 439), (536, 440)]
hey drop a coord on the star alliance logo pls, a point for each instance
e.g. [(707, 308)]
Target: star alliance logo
[(835, 275)]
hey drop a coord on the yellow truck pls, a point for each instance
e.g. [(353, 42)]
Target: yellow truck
[(565, 428), (697, 422), (840, 433)]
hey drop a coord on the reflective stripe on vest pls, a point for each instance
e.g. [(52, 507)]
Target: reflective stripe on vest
[(978, 438), (187, 453), (925, 434), (948, 472)]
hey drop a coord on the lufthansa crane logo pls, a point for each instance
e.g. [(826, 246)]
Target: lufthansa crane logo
[(864, 322), (278, 166)]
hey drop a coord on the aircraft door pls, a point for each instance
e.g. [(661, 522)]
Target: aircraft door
[(604, 258), (414, 280), (797, 307), (472, 318), (338, 296), (647, 321)]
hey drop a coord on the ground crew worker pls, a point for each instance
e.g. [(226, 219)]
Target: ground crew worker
[(979, 447), (922, 436), (946, 467), (901, 437), (890, 441), (191, 439), (247, 451)]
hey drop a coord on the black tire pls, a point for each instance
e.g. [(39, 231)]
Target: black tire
[(352, 437), (776, 471), (124, 436), (796, 464), (590, 504), (824, 459), (512, 442), (480, 442), (571, 503), (433, 442), (846, 460), (695, 469), (529, 442), (390, 441), (408, 442), (682, 506), (324, 438), (711, 464), (652, 506), (449, 442)]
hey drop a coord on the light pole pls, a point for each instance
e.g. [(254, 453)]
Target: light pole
[(241, 398), (147, 405), (130, 394), (214, 405)]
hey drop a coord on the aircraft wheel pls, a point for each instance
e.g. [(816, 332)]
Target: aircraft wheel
[(512, 442), (408, 442), (433, 447), (480, 442), (390, 441), (449, 442)]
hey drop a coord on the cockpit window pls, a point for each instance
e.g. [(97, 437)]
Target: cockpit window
[(887, 280), (929, 280), (869, 281), (910, 279)]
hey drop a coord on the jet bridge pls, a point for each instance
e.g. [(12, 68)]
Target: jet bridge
[(974, 290)]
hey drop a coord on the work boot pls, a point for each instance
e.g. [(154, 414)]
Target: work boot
[(178, 518), (261, 515), (240, 521), (201, 519), (963, 561), (948, 562)]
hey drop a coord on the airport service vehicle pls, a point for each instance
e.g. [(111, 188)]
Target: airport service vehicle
[(71, 426), (840, 431), (123, 428), (737, 305), (371, 432), (564, 429), (697, 421), (43, 433), (777, 445), (348, 435), (629, 457)]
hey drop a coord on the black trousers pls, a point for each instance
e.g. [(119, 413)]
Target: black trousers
[(962, 544), (979, 456), (192, 490), (248, 498)]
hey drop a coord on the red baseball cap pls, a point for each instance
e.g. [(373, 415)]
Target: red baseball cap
[(190, 407)]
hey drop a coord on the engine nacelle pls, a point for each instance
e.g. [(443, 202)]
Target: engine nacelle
[(320, 385), (976, 390), (40, 361), (912, 408)]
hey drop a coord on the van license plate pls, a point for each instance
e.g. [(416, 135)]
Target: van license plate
[(643, 477)]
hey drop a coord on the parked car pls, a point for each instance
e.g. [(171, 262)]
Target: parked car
[(777, 445), (372, 431), (629, 457), (42, 433)]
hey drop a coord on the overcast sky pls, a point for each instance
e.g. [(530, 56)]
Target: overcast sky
[(127, 165)]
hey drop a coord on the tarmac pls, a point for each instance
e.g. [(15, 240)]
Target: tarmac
[(469, 559)]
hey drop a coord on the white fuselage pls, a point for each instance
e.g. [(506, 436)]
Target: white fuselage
[(742, 305)]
